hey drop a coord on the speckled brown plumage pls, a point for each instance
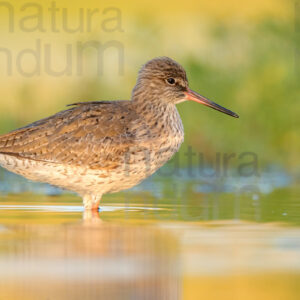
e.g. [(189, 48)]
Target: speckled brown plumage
[(95, 148)]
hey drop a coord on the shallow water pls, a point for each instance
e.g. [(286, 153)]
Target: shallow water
[(173, 237)]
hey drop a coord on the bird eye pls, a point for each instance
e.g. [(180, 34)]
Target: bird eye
[(171, 80)]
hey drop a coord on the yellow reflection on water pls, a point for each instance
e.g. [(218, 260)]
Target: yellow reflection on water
[(91, 259), (266, 286), (56, 252)]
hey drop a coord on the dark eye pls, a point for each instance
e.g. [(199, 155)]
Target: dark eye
[(171, 81)]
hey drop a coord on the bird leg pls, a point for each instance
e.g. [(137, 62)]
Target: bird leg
[(91, 202)]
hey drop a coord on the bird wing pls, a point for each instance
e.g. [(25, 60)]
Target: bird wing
[(90, 134)]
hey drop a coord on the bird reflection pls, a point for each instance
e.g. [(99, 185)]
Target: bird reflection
[(94, 258), (91, 217)]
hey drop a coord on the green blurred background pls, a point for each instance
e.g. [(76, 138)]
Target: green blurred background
[(230, 237), (242, 55)]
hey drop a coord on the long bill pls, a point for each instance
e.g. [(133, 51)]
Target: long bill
[(193, 96)]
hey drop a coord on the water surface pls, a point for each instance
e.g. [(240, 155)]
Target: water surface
[(169, 238)]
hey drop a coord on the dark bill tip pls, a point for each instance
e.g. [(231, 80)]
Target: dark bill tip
[(193, 96)]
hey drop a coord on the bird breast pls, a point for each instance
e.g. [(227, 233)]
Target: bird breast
[(166, 135)]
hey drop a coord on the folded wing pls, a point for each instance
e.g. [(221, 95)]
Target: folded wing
[(92, 134)]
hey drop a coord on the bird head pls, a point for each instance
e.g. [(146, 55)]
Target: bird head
[(163, 79)]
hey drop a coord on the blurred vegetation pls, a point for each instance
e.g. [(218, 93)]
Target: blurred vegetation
[(243, 58)]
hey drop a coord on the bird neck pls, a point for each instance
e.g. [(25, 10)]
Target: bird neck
[(159, 114), (147, 100)]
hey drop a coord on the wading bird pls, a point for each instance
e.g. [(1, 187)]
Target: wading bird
[(102, 147)]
